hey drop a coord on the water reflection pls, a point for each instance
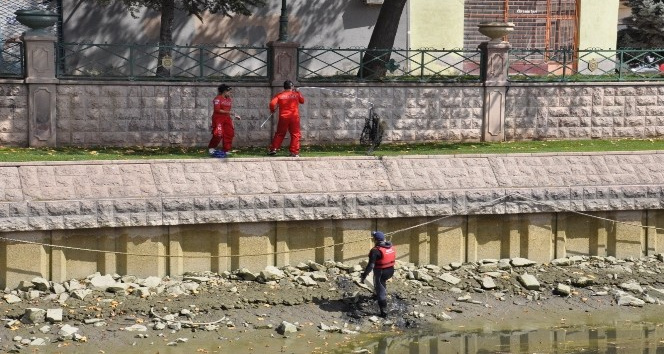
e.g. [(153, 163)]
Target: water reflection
[(623, 337)]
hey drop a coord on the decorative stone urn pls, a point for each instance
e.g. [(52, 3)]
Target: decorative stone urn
[(36, 19), (496, 30)]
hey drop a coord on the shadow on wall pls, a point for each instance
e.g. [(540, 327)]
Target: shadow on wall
[(328, 23)]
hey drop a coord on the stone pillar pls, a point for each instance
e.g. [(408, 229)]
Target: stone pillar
[(494, 77), (283, 56), (41, 80)]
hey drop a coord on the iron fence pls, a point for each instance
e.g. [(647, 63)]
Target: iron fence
[(421, 65), (527, 65), (11, 60), (144, 62)]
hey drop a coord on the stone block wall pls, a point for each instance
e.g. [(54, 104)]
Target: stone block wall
[(583, 111), (178, 114), (13, 113)]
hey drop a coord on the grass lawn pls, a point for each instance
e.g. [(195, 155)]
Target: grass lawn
[(16, 154)]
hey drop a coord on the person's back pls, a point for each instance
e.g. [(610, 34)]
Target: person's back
[(289, 103)]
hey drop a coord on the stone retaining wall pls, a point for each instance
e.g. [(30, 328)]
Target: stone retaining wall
[(584, 111), (178, 114), (164, 217)]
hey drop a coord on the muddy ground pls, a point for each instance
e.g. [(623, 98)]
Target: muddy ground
[(223, 312)]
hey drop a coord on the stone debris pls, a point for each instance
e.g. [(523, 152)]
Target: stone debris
[(518, 281)]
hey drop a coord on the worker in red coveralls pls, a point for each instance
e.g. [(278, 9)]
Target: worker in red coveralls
[(381, 261), (289, 101), (222, 123)]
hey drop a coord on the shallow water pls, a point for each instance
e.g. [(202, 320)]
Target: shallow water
[(600, 332), (620, 338)]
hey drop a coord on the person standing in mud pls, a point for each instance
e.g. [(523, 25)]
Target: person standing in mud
[(289, 101), (222, 123), (381, 262)]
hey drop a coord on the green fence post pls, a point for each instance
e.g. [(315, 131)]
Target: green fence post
[(201, 58)]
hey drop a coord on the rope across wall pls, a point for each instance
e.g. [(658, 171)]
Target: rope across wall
[(512, 197)]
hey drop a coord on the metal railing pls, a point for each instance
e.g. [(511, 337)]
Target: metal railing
[(11, 60), (142, 62), (421, 65), (528, 65)]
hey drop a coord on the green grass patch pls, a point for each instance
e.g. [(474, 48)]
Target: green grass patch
[(17, 154)]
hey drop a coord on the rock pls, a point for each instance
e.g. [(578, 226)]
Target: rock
[(45, 329), (80, 293), (32, 295), (12, 299), (197, 280), (631, 286), (489, 267), (190, 287), (73, 285), (38, 341), (286, 327), (422, 275), (488, 283), (58, 288), (529, 281), (577, 259), (563, 289), (54, 315), (62, 298), (315, 266), (119, 288), (151, 282), (522, 262), (629, 300), (561, 262), (449, 278), (456, 265), (245, 274), (272, 273), (33, 315), (442, 316), (318, 276), (41, 284), (135, 328), (67, 331), (582, 282), (306, 280), (175, 290), (102, 282)]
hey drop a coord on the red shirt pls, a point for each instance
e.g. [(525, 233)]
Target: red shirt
[(222, 103), (289, 103)]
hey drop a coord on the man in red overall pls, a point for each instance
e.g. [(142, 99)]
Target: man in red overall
[(222, 123), (381, 261), (289, 101)]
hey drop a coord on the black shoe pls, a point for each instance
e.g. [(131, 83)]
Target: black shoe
[(272, 152), (383, 314)]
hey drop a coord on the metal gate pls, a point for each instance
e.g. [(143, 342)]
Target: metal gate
[(542, 24)]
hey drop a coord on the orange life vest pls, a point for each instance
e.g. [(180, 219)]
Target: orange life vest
[(389, 254)]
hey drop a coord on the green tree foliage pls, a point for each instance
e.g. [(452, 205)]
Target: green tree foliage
[(167, 9), (645, 28), (377, 57)]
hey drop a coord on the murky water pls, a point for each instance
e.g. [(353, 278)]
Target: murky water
[(605, 332), (620, 338)]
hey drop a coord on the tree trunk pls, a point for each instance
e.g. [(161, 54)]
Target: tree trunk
[(166, 37), (382, 40)]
